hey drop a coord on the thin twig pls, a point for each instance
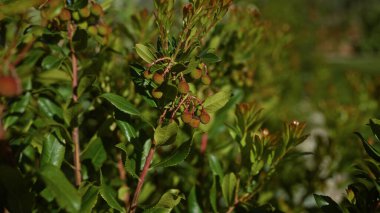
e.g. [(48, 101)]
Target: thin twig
[(142, 177), (123, 178)]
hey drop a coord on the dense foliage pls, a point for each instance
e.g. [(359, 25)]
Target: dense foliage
[(199, 106)]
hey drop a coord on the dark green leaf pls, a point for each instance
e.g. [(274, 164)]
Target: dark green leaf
[(53, 151), (50, 62), (18, 197), (327, 204), (213, 194), (109, 196), (89, 198), (371, 151), (96, 152), (145, 53), (20, 105), (177, 157), (165, 134), (85, 83), (193, 203), (121, 103), (167, 201), (65, 194), (49, 108), (210, 58)]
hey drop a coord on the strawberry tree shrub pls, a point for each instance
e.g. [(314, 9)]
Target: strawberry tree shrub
[(109, 107)]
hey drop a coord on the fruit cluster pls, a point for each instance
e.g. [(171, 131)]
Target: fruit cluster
[(87, 18), (185, 105)]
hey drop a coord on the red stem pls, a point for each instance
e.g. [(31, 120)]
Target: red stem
[(142, 177), (204, 141)]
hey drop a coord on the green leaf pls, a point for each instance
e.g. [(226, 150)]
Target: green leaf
[(213, 195), (65, 194), (193, 203), (327, 204), (121, 103), (145, 53), (127, 129), (20, 105), (177, 157), (215, 102), (228, 188), (375, 127), (50, 62), (215, 166), (166, 134), (85, 83), (371, 151), (210, 58), (18, 197), (89, 198), (110, 197), (95, 151), (53, 76), (167, 201), (49, 108), (53, 151), (130, 167)]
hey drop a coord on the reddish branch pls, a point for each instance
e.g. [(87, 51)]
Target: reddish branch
[(75, 132), (142, 177)]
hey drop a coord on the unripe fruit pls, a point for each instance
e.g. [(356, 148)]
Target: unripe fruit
[(158, 78), (206, 80), (65, 15), (147, 74), (92, 31), (194, 123), (83, 25), (196, 74), (84, 12), (97, 10), (186, 117), (76, 16), (103, 29), (183, 87), (205, 117), (157, 93), (9, 87)]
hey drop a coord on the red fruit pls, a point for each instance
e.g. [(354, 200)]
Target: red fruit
[(183, 87), (9, 86), (186, 117), (194, 123), (206, 79), (196, 74), (158, 78), (157, 93), (65, 15), (205, 117), (97, 10)]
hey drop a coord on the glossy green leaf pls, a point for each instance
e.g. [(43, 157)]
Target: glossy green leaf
[(145, 53), (53, 151), (217, 101), (177, 157), (89, 198), (109, 195), (228, 188), (96, 152), (192, 202), (215, 166), (19, 106), (165, 134), (375, 127), (167, 201), (327, 204), (18, 197), (371, 151), (53, 76), (85, 84), (50, 62), (213, 194), (127, 129), (120, 103), (64, 192), (210, 58), (49, 108)]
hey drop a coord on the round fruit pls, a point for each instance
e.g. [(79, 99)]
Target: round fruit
[(147, 74), (194, 123), (186, 117), (183, 87), (196, 74), (84, 12), (158, 78), (76, 16), (9, 86), (97, 10), (205, 117), (65, 15), (103, 29), (157, 93), (206, 80), (92, 31)]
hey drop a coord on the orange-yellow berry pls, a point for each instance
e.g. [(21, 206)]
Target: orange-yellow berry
[(186, 117), (205, 117), (183, 87), (65, 15), (196, 74), (206, 80), (97, 10), (158, 78), (194, 123), (157, 93)]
